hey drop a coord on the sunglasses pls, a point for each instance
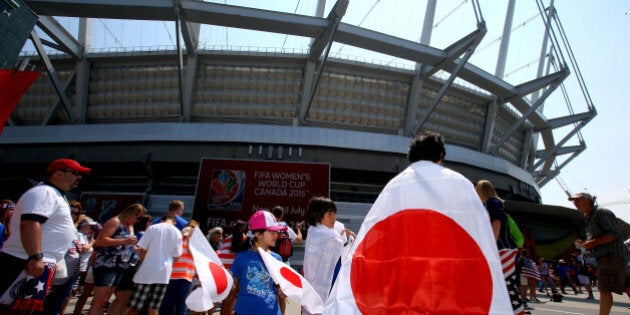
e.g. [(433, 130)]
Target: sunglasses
[(75, 213), (75, 173), (7, 206)]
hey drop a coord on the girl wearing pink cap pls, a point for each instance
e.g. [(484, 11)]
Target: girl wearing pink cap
[(255, 291)]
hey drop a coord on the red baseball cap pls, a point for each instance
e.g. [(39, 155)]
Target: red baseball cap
[(65, 164)]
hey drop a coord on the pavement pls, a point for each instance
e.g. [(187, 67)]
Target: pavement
[(571, 305)]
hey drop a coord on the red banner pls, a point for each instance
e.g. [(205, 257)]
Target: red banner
[(13, 84), (230, 190)]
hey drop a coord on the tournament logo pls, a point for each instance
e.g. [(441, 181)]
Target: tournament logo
[(227, 189)]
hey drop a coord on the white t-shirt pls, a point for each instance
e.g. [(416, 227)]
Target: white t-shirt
[(56, 232), (85, 256), (163, 242), (290, 232)]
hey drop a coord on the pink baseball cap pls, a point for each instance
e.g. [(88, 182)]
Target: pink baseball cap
[(264, 220)]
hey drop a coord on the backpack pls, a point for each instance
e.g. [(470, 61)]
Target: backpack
[(515, 232), (284, 246)]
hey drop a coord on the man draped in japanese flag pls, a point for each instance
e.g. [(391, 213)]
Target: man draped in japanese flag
[(426, 246)]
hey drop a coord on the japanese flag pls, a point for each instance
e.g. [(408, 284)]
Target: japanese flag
[(216, 282), (293, 284), (426, 246)]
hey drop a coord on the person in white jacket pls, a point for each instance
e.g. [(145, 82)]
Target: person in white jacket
[(325, 243)]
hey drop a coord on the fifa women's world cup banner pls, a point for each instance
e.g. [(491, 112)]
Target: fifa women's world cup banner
[(231, 190)]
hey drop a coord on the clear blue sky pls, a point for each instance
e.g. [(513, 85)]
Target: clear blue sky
[(597, 30)]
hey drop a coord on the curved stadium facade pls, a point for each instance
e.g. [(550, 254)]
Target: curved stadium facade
[(143, 120)]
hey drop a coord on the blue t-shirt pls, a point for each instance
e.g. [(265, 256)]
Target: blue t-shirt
[(257, 294), (1, 235), (180, 223), (496, 211)]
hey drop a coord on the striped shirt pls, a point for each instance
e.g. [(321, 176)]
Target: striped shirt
[(225, 253), (184, 265)]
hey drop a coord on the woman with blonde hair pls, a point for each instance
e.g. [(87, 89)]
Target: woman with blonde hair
[(109, 266), (498, 220), (6, 211)]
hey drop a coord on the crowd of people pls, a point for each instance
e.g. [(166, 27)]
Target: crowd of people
[(136, 264)]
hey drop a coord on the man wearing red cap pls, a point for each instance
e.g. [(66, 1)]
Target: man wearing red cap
[(42, 236), (605, 244)]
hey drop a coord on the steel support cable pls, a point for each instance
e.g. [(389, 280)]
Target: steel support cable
[(287, 35), (168, 32), (107, 29), (361, 23), (576, 67), (521, 67), (520, 25), (563, 89), (450, 13)]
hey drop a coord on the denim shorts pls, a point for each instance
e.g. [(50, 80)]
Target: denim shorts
[(108, 277)]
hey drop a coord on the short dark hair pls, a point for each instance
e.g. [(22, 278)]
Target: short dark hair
[(168, 216), (427, 146), (278, 212), (317, 207)]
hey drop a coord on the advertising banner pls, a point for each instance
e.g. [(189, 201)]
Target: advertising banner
[(101, 206), (231, 190)]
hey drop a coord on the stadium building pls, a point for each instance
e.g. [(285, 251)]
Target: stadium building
[(143, 118)]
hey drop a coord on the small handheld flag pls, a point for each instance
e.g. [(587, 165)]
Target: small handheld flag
[(293, 284), (215, 280)]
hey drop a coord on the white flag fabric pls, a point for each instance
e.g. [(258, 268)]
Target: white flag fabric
[(426, 246), (292, 284), (216, 281)]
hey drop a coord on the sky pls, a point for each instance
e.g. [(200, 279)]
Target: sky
[(597, 31)]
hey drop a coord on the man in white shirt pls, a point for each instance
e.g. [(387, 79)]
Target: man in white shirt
[(159, 246), (41, 223), (294, 236)]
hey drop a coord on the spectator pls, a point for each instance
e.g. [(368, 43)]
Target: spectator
[(175, 208), (159, 246), (603, 239), (255, 291), (181, 278), (294, 236), (43, 211), (109, 269), (529, 277), (498, 220), (565, 277), (324, 245), (215, 236), (86, 228), (88, 280), (390, 238), (66, 278), (583, 275), (235, 243), (545, 277), (6, 210), (142, 225)]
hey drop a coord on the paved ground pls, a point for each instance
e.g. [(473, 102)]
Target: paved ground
[(571, 305)]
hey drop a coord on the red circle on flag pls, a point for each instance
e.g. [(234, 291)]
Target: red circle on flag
[(291, 276), (420, 261), (220, 277)]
